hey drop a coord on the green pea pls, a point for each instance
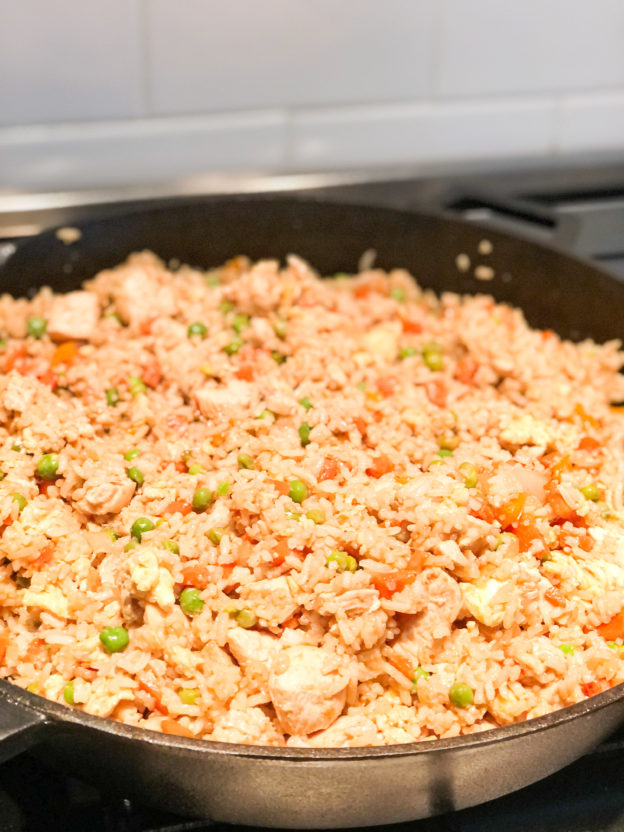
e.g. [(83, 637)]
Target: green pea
[(202, 498), (195, 468), (306, 403), (419, 674), (68, 692), (47, 466), (343, 561), (280, 328), (36, 327), (3, 343), (267, 415), (140, 526), (130, 546), (212, 279), (113, 316), (114, 639), (617, 647), (136, 475), (136, 385), (292, 515), (112, 534), (445, 452), (245, 461), (407, 352), (432, 356), (223, 489), (246, 619), (33, 687), (316, 515), (188, 696), (298, 491), (215, 535), (397, 293), (304, 434), (225, 307), (197, 328), (240, 323), (278, 357), (471, 478), (190, 601), (461, 695), (112, 397), (361, 386), (567, 649), (233, 347), (591, 492), (172, 546), (131, 454)]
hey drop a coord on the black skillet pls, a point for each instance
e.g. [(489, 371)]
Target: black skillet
[(326, 787)]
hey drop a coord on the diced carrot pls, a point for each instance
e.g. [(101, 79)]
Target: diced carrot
[(65, 353), (291, 623), (171, 726), (386, 386), (558, 465), (280, 487), (560, 510), (196, 575), (245, 372), (49, 378), (4, 643), (15, 358), (387, 583), (588, 443), (527, 534), (362, 291), (585, 416), (510, 511), (153, 691), (555, 596), (244, 552), (181, 466), (360, 424), (47, 554), (411, 326), (329, 470), (145, 328), (401, 664), (465, 370), (614, 628), (547, 334), (152, 374), (436, 392), (281, 549), (178, 507), (592, 688), (381, 465)]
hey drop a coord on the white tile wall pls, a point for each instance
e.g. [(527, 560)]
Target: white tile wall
[(62, 60), (148, 90), (496, 47), (207, 55)]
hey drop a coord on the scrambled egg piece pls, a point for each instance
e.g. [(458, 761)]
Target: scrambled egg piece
[(593, 575), (527, 430), (149, 577), (51, 599), (478, 601), (382, 341)]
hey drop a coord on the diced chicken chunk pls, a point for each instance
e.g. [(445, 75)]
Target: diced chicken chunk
[(271, 599), (444, 601), (141, 296), (225, 402), (106, 489), (307, 688), (250, 727), (73, 316), (249, 646)]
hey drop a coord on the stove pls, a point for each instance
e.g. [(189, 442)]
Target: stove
[(578, 206)]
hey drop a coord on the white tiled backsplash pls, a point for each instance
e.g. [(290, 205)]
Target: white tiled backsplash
[(136, 91)]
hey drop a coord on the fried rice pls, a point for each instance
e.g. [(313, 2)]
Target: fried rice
[(256, 506)]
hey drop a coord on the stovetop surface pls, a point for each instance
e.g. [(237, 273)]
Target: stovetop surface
[(581, 209)]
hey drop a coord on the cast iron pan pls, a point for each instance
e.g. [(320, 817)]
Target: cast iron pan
[(317, 788)]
